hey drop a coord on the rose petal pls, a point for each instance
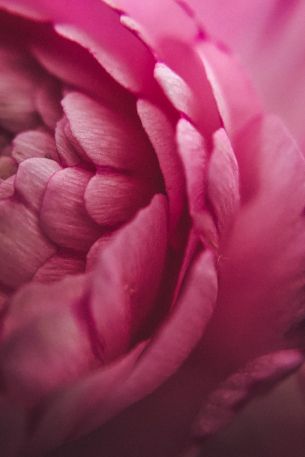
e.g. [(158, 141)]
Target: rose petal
[(237, 100), (32, 178), (261, 264), (107, 138), (34, 143), (112, 199), (222, 404), (162, 137), (96, 250), (65, 220), (193, 154), (57, 337), (23, 248), (167, 351), (68, 155), (124, 289), (223, 181), (59, 266)]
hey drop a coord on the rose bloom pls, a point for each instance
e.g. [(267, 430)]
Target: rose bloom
[(152, 231)]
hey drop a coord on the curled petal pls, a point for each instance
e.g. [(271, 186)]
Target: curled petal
[(65, 220), (32, 178), (23, 247), (127, 278), (34, 143), (161, 135), (112, 199), (223, 181)]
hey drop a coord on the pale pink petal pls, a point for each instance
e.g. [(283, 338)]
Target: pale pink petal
[(32, 178), (59, 266), (127, 279), (161, 358), (65, 220), (184, 98), (108, 138), (113, 55), (113, 198), (237, 100), (193, 153), (23, 247), (223, 182), (34, 143), (162, 137)]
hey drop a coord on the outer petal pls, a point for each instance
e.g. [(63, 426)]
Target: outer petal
[(268, 35), (113, 53), (162, 357)]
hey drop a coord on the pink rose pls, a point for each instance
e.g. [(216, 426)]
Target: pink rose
[(152, 231)]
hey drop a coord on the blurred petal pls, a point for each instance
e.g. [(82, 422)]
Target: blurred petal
[(164, 416)]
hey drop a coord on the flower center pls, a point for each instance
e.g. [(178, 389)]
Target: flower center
[(75, 163)]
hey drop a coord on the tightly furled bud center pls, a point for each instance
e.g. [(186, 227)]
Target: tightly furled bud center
[(75, 163)]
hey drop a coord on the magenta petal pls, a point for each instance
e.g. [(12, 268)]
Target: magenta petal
[(223, 181), (96, 249), (68, 155), (108, 138), (34, 143), (54, 428), (222, 404), (32, 178), (112, 199), (161, 358), (58, 338), (23, 247), (113, 54), (65, 220), (193, 154), (124, 287), (162, 137), (262, 262), (237, 100)]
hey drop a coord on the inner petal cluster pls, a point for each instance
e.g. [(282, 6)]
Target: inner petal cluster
[(75, 163)]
